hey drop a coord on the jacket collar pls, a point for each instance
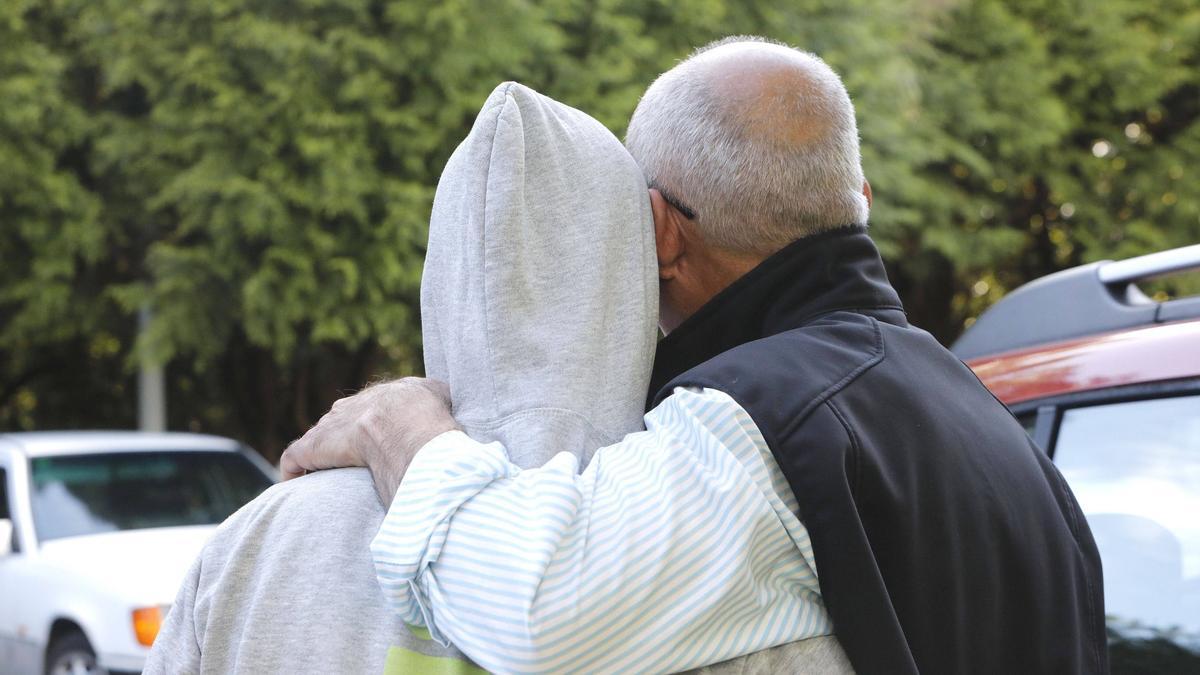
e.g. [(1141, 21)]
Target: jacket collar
[(835, 271)]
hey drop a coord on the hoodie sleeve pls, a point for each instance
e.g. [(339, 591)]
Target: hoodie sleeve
[(676, 548)]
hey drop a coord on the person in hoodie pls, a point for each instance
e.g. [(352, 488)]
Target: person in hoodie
[(946, 541), (539, 303)]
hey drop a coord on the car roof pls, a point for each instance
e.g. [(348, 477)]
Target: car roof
[(1092, 299), (1139, 356), (46, 443)]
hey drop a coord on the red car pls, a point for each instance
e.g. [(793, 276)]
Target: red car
[(1107, 381)]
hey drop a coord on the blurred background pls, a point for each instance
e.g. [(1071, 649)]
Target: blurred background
[(235, 193), (213, 216)]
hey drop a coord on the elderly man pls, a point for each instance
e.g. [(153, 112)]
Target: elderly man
[(944, 540)]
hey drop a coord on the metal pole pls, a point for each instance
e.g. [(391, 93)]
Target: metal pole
[(152, 397)]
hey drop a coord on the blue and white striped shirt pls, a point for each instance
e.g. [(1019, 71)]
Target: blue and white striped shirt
[(676, 548)]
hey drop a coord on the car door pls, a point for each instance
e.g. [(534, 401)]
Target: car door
[(1133, 461)]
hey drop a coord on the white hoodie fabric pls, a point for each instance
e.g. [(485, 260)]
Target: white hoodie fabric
[(539, 308)]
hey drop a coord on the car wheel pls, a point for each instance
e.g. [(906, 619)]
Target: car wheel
[(72, 655)]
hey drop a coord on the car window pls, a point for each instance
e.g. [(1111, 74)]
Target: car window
[(1028, 422), (1135, 469), (89, 494)]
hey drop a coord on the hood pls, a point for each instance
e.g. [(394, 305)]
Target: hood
[(539, 298), (143, 566)]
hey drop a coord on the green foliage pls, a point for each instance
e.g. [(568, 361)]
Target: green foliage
[(260, 173), (1058, 133)]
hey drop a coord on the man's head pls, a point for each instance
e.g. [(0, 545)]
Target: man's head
[(748, 145)]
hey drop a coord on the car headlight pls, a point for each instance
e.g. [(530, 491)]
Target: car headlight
[(147, 621)]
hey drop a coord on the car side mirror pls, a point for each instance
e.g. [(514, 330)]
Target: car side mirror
[(6, 537)]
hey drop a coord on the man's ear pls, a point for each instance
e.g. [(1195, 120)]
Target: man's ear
[(867, 192), (668, 237)]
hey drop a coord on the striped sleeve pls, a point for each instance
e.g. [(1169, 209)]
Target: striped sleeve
[(676, 548)]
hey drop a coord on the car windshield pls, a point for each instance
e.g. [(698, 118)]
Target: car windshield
[(77, 495)]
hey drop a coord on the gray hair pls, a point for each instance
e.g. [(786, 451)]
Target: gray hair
[(753, 185)]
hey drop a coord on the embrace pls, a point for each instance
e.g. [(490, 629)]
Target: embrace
[(794, 479)]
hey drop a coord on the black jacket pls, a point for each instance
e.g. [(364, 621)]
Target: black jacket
[(945, 541)]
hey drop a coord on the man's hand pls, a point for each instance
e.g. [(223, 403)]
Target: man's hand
[(381, 427)]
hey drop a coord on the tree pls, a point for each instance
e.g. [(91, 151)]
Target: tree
[(1054, 133), (260, 177), (53, 266), (259, 174)]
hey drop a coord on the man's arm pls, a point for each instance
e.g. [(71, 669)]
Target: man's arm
[(672, 550)]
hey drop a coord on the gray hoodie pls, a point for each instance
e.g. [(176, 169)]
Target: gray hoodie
[(539, 301), (539, 304)]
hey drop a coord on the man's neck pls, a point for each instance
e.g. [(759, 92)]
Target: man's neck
[(838, 270), (711, 270)]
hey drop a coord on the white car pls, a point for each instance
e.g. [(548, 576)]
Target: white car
[(97, 530)]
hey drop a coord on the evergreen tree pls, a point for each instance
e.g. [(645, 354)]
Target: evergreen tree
[(259, 174)]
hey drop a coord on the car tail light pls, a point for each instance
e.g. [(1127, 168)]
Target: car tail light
[(146, 622)]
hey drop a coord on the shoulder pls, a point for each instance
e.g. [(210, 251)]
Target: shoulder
[(817, 356), (295, 564), (321, 509), (782, 379), (298, 530), (699, 406), (319, 491)]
